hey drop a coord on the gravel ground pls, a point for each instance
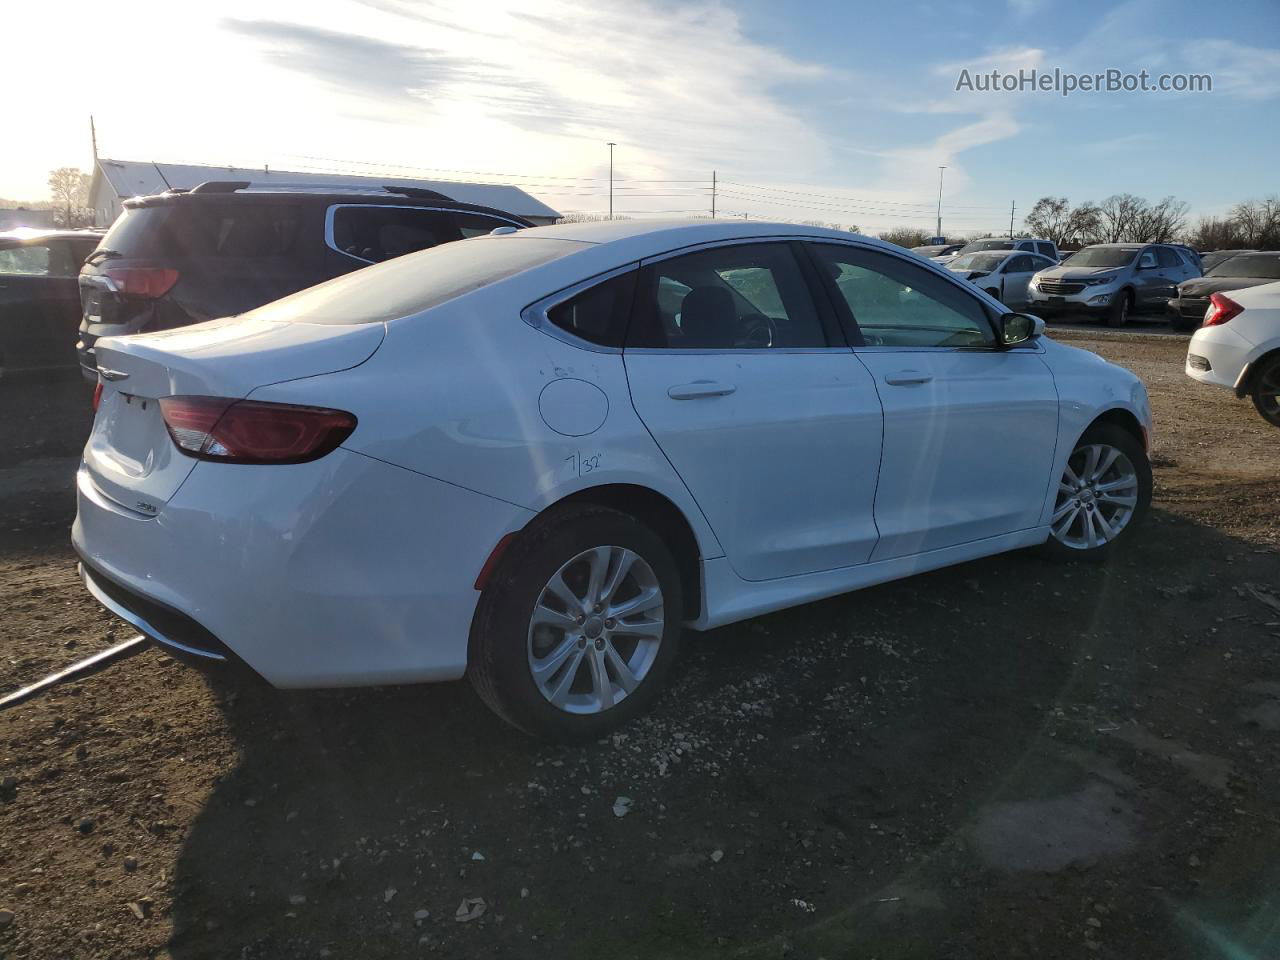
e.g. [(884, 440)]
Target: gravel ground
[(1007, 758)]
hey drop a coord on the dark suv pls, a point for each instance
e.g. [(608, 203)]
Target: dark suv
[(225, 247)]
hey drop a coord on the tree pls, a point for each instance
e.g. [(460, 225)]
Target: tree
[(1161, 222), (1053, 218), (906, 237), (1258, 222), (1210, 233), (70, 189), (846, 227)]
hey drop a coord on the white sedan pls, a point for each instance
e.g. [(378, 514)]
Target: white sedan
[(535, 458), (1238, 346), (1004, 274)]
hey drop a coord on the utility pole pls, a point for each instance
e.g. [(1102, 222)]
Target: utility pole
[(611, 146), (1013, 205), (940, 169), (93, 135), (713, 194)]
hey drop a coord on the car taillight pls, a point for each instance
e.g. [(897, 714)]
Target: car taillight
[(146, 283), (97, 396), (1221, 309), (250, 431)]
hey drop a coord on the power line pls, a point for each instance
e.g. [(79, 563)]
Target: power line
[(835, 196), (856, 211)]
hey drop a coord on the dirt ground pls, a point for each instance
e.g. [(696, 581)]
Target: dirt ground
[(1005, 759)]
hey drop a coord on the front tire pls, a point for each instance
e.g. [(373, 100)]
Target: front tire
[(1120, 309), (1103, 494), (579, 625), (1265, 391)]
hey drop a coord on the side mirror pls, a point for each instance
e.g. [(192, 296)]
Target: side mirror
[(1018, 328)]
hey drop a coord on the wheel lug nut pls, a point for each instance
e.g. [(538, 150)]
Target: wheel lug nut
[(610, 623), (580, 619), (599, 643)]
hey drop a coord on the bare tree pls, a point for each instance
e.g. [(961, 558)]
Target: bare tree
[(906, 237), (70, 189), (1053, 218), (1210, 233), (1160, 222), (1258, 222), (846, 227)]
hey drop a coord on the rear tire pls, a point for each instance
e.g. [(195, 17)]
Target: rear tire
[(1120, 309), (1265, 390), (553, 663), (1103, 494)]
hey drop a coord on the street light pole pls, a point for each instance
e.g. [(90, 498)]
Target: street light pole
[(940, 169), (611, 146)]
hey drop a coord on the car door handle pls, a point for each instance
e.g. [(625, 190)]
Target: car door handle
[(700, 388), (904, 378)]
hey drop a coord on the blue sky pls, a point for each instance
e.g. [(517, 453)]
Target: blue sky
[(835, 111)]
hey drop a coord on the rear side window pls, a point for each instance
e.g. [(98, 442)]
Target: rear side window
[(417, 282), (598, 315), (374, 233), (735, 297), (136, 231), (28, 260)]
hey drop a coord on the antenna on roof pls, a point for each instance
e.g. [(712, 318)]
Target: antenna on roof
[(167, 185)]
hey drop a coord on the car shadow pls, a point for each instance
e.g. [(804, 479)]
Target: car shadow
[(877, 774)]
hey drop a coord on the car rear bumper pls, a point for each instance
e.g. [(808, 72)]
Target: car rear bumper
[(1218, 355), (343, 572)]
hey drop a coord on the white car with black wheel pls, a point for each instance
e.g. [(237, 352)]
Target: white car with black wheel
[(535, 459), (1238, 347), (1002, 274)]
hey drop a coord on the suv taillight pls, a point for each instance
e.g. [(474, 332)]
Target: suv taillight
[(250, 431), (1221, 309), (145, 283)]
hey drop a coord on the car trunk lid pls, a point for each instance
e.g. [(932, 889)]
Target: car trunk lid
[(130, 455)]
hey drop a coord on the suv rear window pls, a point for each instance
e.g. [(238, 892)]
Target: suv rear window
[(410, 284), (203, 229)]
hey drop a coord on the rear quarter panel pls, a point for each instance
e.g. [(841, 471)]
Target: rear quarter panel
[(463, 393)]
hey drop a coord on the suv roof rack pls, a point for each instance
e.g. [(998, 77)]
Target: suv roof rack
[(232, 186)]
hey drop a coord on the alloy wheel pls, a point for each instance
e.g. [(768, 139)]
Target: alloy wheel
[(1097, 497), (595, 630)]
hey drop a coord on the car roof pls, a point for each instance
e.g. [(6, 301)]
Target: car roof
[(655, 236), (318, 194)]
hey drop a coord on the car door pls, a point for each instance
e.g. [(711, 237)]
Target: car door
[(970, 427), (1017, 274), (1173, 270), (1149, 283), (743, 379), (39, 305)]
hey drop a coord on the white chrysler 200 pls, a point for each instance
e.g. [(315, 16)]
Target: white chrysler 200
[(535, 458)]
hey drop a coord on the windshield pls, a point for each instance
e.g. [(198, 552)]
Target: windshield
[(1261, 265), (977, 261), (1104, 257), (416, 281), (979, 245)]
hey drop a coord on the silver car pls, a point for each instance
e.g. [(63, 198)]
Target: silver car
[(1112, 280)]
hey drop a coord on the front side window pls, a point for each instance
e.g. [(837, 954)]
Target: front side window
[(1166, 257), (598, 315), (898, 304), (27, 260), (1045, 249), (738, 297), (1019, 264)]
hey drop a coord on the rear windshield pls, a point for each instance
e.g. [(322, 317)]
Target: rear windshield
[(1266, 265), (417, 281), (1104, 257), (206, 230)]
